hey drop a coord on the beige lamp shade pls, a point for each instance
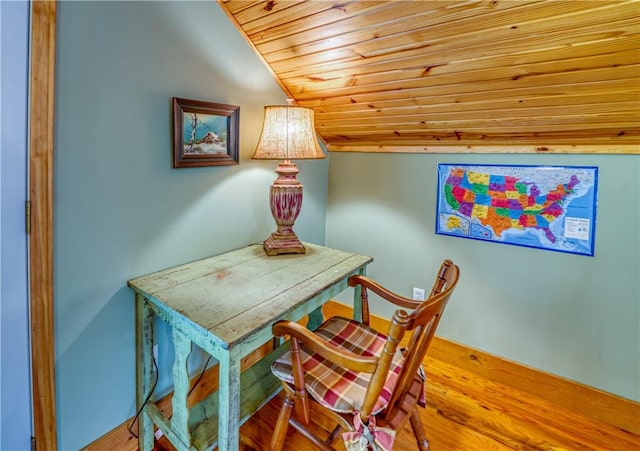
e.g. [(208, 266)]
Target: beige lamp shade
[(288, 134)]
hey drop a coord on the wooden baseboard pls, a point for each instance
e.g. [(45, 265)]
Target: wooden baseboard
[(564, 393)]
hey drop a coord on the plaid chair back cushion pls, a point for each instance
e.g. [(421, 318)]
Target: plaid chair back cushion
[(334, 387)]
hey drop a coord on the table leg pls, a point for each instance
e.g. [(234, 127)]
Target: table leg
[(357, 301), (315, 319), (144, 369), (229, 402), (180, 415)]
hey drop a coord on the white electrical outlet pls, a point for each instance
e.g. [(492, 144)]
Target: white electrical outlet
[(418, 294)]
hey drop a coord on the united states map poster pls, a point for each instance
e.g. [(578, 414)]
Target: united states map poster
[(545, 207)]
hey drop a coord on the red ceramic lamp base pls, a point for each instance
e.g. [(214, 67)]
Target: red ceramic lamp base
[(285, 199)]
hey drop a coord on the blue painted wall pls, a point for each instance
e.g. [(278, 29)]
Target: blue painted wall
[(120, 210), (15, 384)]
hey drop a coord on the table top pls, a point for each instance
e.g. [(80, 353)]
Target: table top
[(238, 292)]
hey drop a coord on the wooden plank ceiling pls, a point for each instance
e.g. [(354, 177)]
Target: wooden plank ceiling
[(486, 75)]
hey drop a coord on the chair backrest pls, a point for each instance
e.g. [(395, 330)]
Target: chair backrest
[(422, 324)]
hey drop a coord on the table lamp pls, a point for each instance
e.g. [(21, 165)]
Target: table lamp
[(287, 134)]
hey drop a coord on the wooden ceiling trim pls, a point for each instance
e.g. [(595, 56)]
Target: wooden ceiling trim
[(481, 138), (489, 144), (606, 144), (455, 137), (619, 149)]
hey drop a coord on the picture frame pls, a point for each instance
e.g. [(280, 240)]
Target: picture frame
[(204, 133), (537, 206)]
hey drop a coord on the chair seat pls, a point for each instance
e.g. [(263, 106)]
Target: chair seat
[(334, 387)]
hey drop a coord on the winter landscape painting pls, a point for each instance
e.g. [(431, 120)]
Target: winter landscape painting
[(205, 133)]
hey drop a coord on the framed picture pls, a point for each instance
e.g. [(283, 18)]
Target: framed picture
[(544, 207), (204, 133)]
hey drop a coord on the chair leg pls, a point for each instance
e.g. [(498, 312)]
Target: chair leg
[(282, 424), (418, 430)]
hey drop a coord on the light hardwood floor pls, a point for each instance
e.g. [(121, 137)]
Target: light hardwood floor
[(468, 412), (480, 402)]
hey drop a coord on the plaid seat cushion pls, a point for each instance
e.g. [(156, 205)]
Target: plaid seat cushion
[(334, 387)]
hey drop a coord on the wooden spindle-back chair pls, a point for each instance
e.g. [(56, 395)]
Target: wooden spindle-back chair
[(347, 369)]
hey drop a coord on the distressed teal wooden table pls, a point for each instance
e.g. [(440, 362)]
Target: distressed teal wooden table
[(226, 305)]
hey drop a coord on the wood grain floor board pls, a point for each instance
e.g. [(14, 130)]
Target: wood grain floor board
[(475, 402), (480, 402), (467, 412), (531, 420)]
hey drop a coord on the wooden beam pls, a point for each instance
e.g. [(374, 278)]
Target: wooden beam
[(43, 60)]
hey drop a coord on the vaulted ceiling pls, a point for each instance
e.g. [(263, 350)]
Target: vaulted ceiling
[(456, 76)]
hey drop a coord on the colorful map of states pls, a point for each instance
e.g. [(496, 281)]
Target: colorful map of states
[(503, 202)]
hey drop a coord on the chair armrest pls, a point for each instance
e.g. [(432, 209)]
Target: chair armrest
[(335, 354), (381, 291)]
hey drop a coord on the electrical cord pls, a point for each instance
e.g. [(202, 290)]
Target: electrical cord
[(153, 388), (195, 384)]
